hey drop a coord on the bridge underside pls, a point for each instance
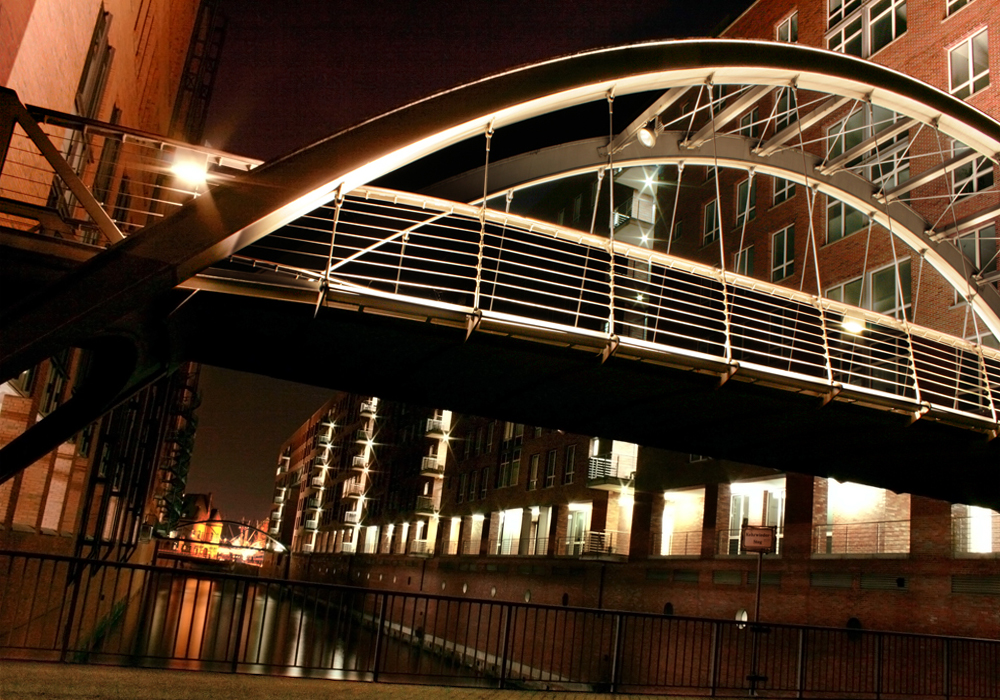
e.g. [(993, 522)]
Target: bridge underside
[(650, 404)]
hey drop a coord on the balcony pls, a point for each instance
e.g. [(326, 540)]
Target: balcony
[(274, 531), (368, 409), (429, 465), (359, 462), (279, 499), (312, 525), (681, 544), (435, 427), (325, 439), (362, 436), (352, 517), (313, 504), (608, 472), (307, 548), (353, 489), (425, 505), (421, 548), (595, 544), (348, 548), (860, 539), (317, 481)]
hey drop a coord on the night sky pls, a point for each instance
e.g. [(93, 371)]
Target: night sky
[(295, 71)]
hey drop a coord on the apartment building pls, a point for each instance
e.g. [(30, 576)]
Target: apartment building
[(145, 67)]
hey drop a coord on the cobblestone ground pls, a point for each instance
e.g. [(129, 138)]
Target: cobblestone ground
[(24, 680)]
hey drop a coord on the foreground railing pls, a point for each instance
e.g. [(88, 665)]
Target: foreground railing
[(58, 608), (416, 254)]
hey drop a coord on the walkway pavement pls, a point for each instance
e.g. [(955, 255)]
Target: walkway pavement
[(30, 680)]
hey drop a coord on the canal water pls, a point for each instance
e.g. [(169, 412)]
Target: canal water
[(284, 629)]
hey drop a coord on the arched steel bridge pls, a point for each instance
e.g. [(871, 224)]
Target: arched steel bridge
[(458, 294)]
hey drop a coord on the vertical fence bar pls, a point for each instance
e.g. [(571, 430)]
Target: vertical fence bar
[(74, 576), (800, 679), (239, 626), (507, 612), (616, 643), (379, 633), (878, 666)]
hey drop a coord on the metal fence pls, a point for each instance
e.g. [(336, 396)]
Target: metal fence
[(58, 608)]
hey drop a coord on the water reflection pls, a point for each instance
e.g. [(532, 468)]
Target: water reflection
[(292, 630)]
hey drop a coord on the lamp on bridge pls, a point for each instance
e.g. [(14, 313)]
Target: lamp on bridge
[(190, 166), (854, 322), (646, 136)]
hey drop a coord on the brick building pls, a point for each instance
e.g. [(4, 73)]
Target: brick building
[(147, 67)]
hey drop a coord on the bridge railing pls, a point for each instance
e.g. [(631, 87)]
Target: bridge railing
[(518, 274), (59, 608)]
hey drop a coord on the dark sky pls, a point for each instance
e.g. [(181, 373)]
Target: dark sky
[(295, 71)]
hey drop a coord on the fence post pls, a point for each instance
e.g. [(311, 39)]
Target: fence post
[(504, 645), (73, 574), (947, 668), (713, 661), (878, 666), (800, 681), (379, 631), (616, 652), (239, 626)]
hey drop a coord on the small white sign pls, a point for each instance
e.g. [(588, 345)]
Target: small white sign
[(758, 539)]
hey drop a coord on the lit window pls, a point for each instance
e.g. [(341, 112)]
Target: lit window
[(570, 465), (533, 472), (743, 262), (710, 232), (973, 177), (788, 29), (746, 201), (969, 64), (783, 190), (550, 469), (783, 253), (460, 496)]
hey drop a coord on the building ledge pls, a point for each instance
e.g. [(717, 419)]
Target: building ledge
[(862, 555)]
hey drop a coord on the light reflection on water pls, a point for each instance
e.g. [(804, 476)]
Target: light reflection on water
[(194, 623)]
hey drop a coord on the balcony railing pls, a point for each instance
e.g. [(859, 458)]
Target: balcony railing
[(425, 504), (884, 537), (359, 462), (421, 547), (682, 544), (435, 426), (353, 489), (610, 468), (279, 499), (450, 547), (352, 517), (430, 465), (368, 409), (594, 543), (317, 481), (348, 547), (307, 548), (313, 504), (312, 524), (362, 436)]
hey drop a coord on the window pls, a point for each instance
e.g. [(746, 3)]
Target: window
[(515, 468), (468, 446), (980, 247), (550, 469), (969, 65), (533, 472), (484, 483), (489, 436), (57, 380), (783, 190), (847, 292), (570, 464), (886, 297), (750, 124), (677, 230), (710, 232), (888, 22), (973, 177), (746, 201), (718, 98), (577, 207), (743, 262), (842, 220), (788, 29), (473, 483), (863, 28), (956, 5), (479, 441), (460, 496), (887, 164), (538, 431), (787, 108), (783, 253)]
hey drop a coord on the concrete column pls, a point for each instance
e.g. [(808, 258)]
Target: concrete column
[(716, 511), (557, 530), (930, 528), (524, 543), (799, 489), (641, 544)]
